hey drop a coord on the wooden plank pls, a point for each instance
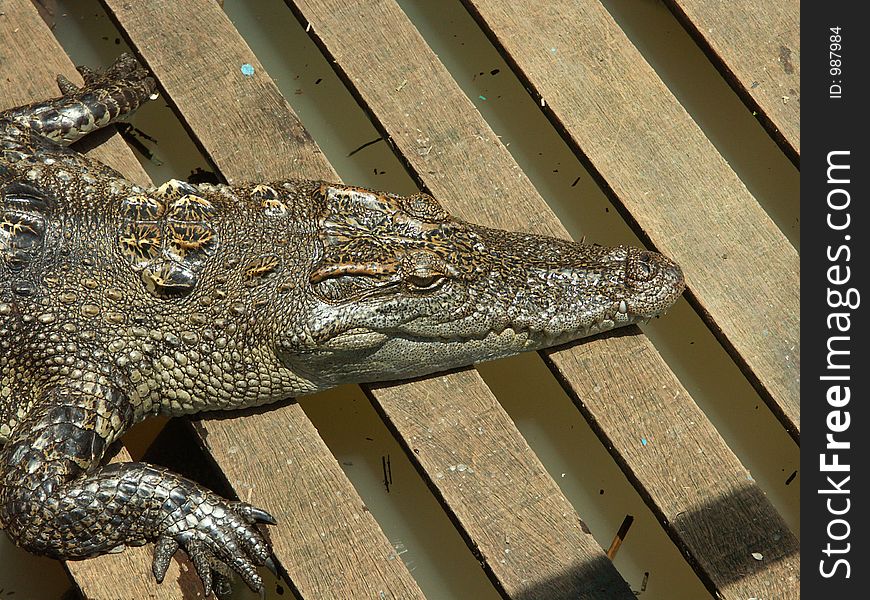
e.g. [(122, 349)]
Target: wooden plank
[(691, 478), (660, 168), (527, 534), (709, 504), (757, 49), (573, 562)]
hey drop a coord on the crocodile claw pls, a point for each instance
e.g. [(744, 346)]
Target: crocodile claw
[(88, 74), (67, 87), (252, 514), (220, 537), (273, 568)]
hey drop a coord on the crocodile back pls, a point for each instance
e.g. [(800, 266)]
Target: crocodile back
[(174, 293)]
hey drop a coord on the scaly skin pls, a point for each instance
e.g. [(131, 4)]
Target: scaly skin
[(117, 303)]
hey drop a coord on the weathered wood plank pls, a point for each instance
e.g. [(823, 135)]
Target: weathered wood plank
[(570, 551), (23, 34), (756, 46), (709, 504), (527, 534), (692, 471), (658, 165)]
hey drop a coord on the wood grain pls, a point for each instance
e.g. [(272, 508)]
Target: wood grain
[(526, 532), (571, 552), (707, 501), (659, 167), (756, 46), (622, 385)]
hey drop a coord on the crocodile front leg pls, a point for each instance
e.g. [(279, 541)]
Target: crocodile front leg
[(105, 98), (56, 499)]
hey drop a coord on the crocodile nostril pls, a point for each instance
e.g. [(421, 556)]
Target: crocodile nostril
[(642, 267)]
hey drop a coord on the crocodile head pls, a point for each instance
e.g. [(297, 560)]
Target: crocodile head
[(401, 289)]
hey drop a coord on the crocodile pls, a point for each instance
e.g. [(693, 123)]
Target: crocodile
[(119, 302)]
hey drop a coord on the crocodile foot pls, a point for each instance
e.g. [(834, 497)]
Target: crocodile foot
[(126, 70), (219, 536)]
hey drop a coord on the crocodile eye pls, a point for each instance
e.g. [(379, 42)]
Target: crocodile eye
[(422, 271), (425, 282)]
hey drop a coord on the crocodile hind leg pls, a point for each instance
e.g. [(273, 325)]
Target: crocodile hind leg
[(105, 98), (57, 499)]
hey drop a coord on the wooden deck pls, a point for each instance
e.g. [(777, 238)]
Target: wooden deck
[(655, 164)]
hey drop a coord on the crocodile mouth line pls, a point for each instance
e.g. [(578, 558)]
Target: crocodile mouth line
[(534, 336), (361, 338)]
